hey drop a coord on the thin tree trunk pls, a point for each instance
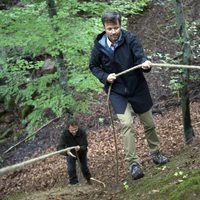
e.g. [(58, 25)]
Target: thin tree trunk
[(60, 57), (185, 102)]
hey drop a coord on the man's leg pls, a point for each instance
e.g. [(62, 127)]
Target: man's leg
[(128, 132), (152, 139), (84, 166), (123, 111), (129, 143), (149, 130), (71, 169)]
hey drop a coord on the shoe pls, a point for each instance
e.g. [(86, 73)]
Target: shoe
[(159, 159), (136, 171)]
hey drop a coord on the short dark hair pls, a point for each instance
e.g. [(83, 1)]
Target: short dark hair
[(111, 17), (72, 121)]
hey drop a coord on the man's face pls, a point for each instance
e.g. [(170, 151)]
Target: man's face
[(73, 129), (112, 30)]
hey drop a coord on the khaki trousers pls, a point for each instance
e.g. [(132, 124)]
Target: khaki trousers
[(128, 132)]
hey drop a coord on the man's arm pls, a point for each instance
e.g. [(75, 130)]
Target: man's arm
[(62, 144), (83, 141), (139, 55), (95, 66)]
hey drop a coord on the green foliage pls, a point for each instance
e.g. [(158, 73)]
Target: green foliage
[(27, 33), (193, 30), (126, 186), (175, 84), (129, 7), (84, 82), (176, 80)]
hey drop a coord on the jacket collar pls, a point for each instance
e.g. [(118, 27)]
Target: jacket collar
[(103, 39)]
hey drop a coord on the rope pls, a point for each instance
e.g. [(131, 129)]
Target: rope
[(167, 65), (174, 66), (6, 170)]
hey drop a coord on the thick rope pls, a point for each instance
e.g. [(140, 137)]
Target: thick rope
[(165, 65), (12, 168), (119, 74), (8, 169), (174, 65)]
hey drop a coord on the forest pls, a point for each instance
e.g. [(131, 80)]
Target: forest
[(45, 49)]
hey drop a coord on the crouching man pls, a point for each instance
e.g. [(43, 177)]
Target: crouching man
[(72, 135)]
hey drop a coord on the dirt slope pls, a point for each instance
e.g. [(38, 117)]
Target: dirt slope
[(49, 176)]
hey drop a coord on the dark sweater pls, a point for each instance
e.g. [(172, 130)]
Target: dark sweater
[(68, 140)]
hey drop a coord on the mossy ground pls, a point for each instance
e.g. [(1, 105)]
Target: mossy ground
[(178, 180)]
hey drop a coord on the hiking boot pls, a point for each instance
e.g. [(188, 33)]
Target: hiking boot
[(159, 159), (136, 171)]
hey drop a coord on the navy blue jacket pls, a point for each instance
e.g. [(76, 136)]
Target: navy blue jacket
[(127, 54)]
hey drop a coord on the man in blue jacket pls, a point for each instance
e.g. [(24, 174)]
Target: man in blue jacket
[(114, 51)]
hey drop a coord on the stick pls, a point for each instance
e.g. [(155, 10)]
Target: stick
[(6, 170), (114, 135), (26, 138), (196, 123), (98, 181)]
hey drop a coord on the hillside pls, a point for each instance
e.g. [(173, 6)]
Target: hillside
[(179, 179)]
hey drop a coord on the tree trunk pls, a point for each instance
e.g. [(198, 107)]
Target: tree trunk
[(60, 57), (185, 102)]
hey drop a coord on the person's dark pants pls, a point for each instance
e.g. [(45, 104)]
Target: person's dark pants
[(71, 163)]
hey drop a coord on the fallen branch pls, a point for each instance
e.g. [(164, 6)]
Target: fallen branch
[(196, 124), (104, 185), (6, 170), (29, 136)]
